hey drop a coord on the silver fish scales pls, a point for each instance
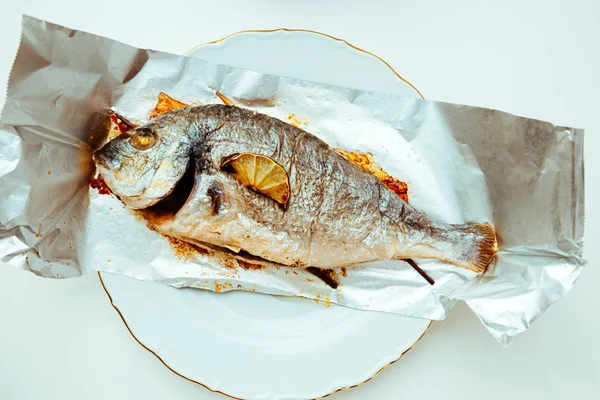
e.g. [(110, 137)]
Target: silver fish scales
[(337, 213)]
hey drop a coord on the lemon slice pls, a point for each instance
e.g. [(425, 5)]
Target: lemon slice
[(261, 174)]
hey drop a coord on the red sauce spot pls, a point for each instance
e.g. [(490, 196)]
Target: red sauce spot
[(99, 184), (122, 126), (247, 265), (397, 186), (367, 163)]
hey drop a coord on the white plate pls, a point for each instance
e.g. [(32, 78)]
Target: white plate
[(255, 346)]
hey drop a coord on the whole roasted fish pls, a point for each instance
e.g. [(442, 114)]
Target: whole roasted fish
[(177, 168)]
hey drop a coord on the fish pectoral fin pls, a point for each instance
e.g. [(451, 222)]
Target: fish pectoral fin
[(326, 275)]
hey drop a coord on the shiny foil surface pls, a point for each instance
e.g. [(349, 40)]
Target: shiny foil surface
[(461, 164)]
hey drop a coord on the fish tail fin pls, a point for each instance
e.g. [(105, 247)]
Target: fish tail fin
[(479, 248)]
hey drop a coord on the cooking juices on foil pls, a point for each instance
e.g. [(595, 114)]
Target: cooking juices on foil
[(461, 164)]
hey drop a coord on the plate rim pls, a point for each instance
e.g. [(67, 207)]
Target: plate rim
[(335, 38), (205, 386), (356, 48)]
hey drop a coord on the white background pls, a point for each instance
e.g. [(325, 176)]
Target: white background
[(62, 339)]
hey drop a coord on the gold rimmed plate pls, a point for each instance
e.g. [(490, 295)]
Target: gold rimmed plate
[(255, 346)]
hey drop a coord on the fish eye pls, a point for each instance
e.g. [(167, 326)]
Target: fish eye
[(143, 139)]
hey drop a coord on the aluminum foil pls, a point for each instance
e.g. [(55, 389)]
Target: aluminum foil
[(462, 164)]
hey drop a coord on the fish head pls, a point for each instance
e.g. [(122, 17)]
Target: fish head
[(144, 165)]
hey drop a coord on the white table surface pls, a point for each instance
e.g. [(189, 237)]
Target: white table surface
[(62, 339)]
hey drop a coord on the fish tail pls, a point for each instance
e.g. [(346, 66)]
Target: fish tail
[(479, 246)]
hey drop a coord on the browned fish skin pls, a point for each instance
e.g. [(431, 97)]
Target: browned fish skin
[(337, 214)]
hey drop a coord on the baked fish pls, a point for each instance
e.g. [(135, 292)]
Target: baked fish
[(188, 170)]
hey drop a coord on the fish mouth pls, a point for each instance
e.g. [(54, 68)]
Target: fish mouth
[(170, 205), (102, 159), (107, 155)]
